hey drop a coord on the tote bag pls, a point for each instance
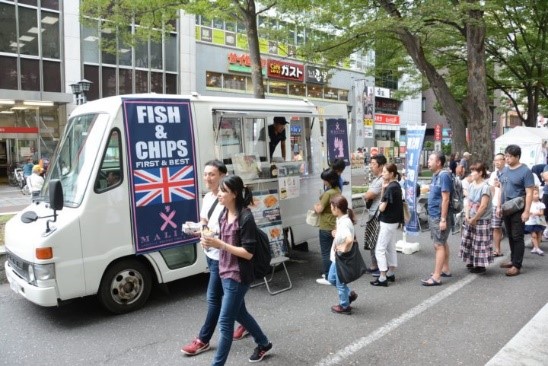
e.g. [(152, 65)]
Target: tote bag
[(312, 218), (350, 265)]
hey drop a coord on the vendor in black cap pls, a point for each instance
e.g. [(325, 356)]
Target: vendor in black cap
[(276, 133)]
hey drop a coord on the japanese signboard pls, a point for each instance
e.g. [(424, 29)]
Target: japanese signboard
[(285, 70), (162, 171), (387, 119), (242, 62), (315, 75)]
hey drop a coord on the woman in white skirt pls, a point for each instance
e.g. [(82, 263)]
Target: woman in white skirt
[(390, 217)]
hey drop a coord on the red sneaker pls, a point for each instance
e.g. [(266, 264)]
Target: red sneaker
[(195, 347), (240, 333)]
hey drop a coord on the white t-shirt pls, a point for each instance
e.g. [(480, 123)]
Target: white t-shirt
[(496, 193), (345, 228), (35, 182), (213, 221), (534, 219)]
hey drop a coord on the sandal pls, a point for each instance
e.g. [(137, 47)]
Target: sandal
[(443, 274), (431, 282), (497, 254)]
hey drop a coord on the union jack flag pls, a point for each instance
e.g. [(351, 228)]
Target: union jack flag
[(164, 185)]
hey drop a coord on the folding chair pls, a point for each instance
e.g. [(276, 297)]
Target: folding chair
[(275, 262)]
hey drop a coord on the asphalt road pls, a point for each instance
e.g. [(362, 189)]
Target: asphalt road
[(466, 321)]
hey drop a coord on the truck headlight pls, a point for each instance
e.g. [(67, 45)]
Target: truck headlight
[(41, 272)]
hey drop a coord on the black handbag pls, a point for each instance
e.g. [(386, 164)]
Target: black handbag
[(512, 206), (350, 265)]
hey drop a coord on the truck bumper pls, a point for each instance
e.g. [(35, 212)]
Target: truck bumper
[(43, 296)]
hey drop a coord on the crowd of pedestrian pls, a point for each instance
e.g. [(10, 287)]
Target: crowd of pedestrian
[(508, 195)]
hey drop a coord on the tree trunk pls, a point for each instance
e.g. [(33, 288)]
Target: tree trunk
[(254, 51), (477, 104), (451, 109)]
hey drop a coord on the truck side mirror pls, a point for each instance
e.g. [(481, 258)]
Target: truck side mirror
[(55, 194)]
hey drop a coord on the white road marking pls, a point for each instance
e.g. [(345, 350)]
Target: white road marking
[(360, 343)]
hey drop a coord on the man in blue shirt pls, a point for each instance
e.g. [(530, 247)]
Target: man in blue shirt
[(439, 217), (27, 168), (516, 180)]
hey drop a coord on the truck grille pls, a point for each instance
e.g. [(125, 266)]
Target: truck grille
[(19, 266)]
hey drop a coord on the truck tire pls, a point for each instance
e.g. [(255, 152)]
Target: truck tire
[(125, 286)]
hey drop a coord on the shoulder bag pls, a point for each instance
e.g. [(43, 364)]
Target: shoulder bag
[(350, 265), (371, 233), (512, 206)]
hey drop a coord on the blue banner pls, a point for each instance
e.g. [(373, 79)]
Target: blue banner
[(337, 140), (162, 171), (415, 138)]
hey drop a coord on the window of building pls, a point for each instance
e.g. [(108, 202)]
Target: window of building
[(50, 4), (90, 44), (297, 89), (171, 84), (171, 51), (314, 91), (109, 81), (30, 74), (141, 54), (125, 53), (157, 82), (214, 80), (234, 82), (28, 31), (52, 81), (91, 73), (125, 80), (156, 58), (108, 39), (8, 72), (8, 29), (141, 81), (50, 35), (277, 87)]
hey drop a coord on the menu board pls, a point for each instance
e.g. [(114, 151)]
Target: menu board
[(266, 211)]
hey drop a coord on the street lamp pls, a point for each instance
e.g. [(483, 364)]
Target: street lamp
[(79, 90)]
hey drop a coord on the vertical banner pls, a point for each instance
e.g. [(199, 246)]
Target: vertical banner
[(369, 111), (415, 138), (358, 112), (162, 171), (337, 140)]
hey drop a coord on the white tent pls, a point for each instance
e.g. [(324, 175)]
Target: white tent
[(530, 139)]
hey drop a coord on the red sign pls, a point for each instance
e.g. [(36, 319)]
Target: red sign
[(437, 132), (285, 70), (18, 129), (242, 60), (387, 119)]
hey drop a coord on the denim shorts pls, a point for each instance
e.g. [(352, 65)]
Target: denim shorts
[(439, 237)]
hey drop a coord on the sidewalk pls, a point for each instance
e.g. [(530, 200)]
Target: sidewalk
[(12, 200)]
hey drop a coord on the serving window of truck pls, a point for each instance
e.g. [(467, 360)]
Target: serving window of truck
[(242, 143)]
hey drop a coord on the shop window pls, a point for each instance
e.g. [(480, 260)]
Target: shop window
[(8, 29), (277, 87), (234, 82), (52, 76), (171, 84), (314, 91), (91, 73), (297, 89), (230, 26), (141, 81), (8, 72), (125, 79), (214, 79), (109, 81), (50, 35), (30, 74), (218, 23), (343, 95), (331, 93), (28, 42)]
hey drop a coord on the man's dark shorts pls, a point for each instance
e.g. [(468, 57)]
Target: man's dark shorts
[(439, 237)]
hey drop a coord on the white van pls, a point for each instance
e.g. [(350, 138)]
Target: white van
[(127, 174)]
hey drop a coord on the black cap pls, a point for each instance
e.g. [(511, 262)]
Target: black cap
[(280, 120)]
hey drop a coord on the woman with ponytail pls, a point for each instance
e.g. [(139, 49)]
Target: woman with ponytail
[(237, 244)]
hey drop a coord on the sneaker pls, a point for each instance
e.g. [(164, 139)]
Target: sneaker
[(540, 252), (240, 333), (352, 297), (340, 310), (195, 348), (323, 281), (259, 352), (534, 250)]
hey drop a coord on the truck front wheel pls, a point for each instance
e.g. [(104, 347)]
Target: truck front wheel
[(125, 286)]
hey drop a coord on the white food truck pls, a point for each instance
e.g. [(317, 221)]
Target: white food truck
[(127, 174)]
